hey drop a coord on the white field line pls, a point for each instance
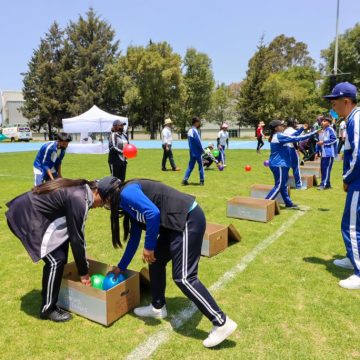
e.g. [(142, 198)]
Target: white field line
[(147, 348)]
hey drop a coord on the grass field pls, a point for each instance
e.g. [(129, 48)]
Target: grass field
[(287, 302)]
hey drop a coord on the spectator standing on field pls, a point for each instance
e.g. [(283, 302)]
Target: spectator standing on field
[(342, 135), (117, 141), (260, 136), (326, 146), (222, 142), (166, 136), (47, 164)]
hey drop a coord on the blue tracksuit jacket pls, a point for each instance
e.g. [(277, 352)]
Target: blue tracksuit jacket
[(141, 210), (279, 151), (195, 145), (48, 159), (328, 149), (351, 166)]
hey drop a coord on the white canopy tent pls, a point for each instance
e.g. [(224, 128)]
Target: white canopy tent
[(94, 120)]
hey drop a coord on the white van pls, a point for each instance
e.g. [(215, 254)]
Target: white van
[(18, 133)]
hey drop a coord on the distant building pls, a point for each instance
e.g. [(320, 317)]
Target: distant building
[(10, 104)]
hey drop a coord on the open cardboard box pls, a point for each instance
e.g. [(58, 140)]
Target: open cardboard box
[(248, 208), (261, 191), (98, 305)]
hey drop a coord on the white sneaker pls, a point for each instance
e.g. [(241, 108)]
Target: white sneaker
[(150, 311), (352, 283), (344, 263), (219, 333)]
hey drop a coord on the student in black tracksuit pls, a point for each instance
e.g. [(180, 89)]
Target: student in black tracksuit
[(175, 226), (48, 219), (117, 141)]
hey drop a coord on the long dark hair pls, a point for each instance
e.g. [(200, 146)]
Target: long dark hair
[(61, 183), (272, 133)]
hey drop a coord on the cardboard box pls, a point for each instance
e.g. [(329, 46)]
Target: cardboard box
[(310, 170), (260, 191), (215, 239), (248, 208), (308, 181), (98, 305), (315, 164), (145, 277)]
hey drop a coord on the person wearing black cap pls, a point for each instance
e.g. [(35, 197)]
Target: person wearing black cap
[(343, 101), (175, 226), (326, 147), (117, 141), (47, 220), (47, 164), (280, 161)]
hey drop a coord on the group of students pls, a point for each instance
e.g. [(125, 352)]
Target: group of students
[(51, 217)]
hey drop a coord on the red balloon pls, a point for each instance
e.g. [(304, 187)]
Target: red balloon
[(247, 168), (130, 151)]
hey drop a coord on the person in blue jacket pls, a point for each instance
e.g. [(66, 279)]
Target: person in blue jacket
[(175, 226), (293, 149), (279, 161), (343, 101), (47, 164), (326, 147), (196, 150)]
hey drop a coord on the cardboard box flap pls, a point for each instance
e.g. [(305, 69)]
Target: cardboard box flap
[(277, 208), (249, 201), (145, 277), (233, 234)]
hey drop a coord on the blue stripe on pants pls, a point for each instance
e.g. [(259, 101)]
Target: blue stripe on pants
[(326, 166), (190, 168), (281, 176), (295, 165), (350, 228)]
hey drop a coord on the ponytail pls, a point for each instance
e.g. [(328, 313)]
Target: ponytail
[(61, 183), (272, 133)]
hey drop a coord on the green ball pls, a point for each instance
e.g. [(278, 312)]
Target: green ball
[(97, 281), (216, 153)]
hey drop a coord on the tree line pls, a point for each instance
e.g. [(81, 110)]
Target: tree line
[(81, 65)]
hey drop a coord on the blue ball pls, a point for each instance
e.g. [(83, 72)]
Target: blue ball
[(110, 282)]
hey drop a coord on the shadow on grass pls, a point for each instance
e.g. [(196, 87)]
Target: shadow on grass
[(31, 302), (336, 271), (188, 328)]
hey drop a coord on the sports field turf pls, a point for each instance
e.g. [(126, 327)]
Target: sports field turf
[(287, 302)]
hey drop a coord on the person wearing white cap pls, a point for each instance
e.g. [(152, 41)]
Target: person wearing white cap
[(343, 101), (222, 142), (166, 136)]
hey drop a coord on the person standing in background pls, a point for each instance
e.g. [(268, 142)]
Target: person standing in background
[(47, 164), (294, 157), (326, 146), (342, 135), (166, 136), (117, 141), (196, 151), (260, 136), (222, 142)]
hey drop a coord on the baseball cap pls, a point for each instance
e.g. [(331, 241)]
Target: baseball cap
[(118, 122), (273, 124), (107, 185), (341, 90)]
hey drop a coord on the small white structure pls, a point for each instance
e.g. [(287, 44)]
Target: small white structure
[(94, 120)]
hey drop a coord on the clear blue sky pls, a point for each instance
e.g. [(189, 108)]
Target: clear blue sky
[(227, 30)]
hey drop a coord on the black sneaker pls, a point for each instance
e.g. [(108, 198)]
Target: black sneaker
[(201, 183), (184, 182), (57, 315)]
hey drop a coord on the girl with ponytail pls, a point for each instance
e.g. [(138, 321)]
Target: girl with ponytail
[(47, 220)]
